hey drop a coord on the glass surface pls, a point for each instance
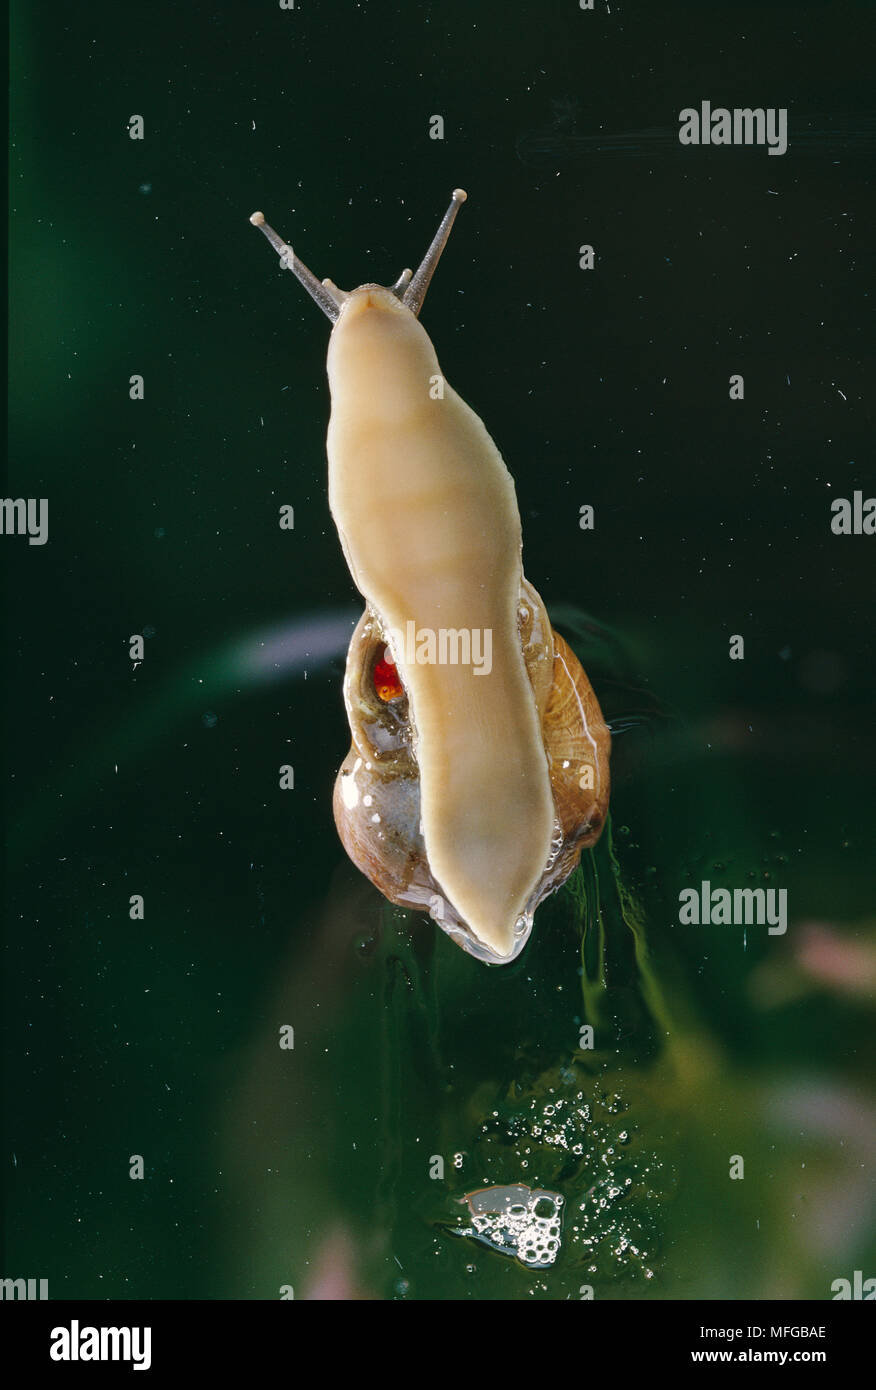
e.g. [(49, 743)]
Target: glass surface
[(309, 1166)]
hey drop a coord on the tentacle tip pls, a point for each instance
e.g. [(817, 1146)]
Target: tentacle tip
[(459, 195), (258, 219)]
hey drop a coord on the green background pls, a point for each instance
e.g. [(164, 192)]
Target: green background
[(310, 1167)]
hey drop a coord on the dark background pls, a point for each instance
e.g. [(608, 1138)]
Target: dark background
[(712, 518)]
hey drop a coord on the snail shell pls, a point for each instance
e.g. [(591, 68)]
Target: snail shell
[(377, 803)]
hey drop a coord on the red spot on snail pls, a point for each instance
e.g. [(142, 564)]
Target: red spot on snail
[(386, 679)]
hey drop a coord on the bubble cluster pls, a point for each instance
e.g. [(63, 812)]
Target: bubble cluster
[(568, 1131), (517, 1220)]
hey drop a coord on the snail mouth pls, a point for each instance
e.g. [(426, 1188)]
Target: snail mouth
[(371, 298)]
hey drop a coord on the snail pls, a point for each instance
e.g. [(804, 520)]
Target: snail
[(478, 769)]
